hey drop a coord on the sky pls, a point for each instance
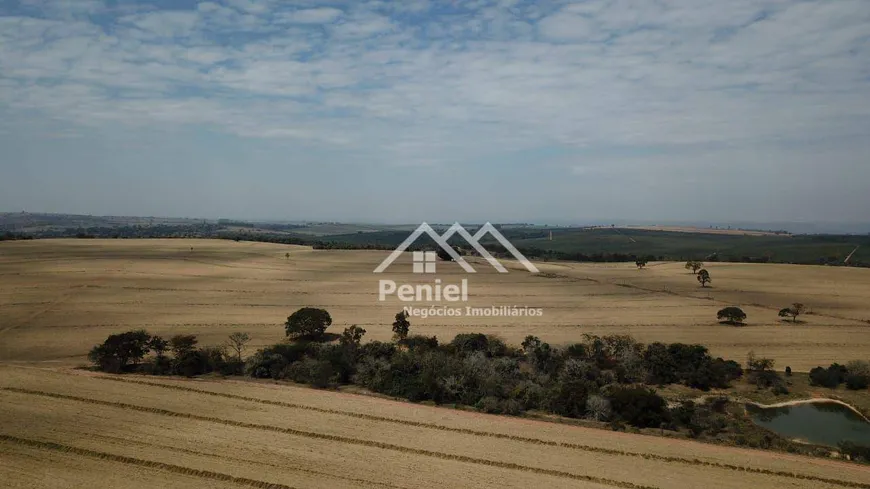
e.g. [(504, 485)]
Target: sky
[(412, 110)]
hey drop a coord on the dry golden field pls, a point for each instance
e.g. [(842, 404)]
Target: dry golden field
[(65, 428), (60, 297)]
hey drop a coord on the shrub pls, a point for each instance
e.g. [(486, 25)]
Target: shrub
[(568, 398), (265, 364), (855, 452), (638, 406), (318, 373), (598, 408), (470, 342), (420, 342), (857, 375), (528, 394), (830, 377), (489, 404), (377, 349), (373, 373), (760, 371)]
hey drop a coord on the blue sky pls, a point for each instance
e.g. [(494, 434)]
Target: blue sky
[(421, 110)]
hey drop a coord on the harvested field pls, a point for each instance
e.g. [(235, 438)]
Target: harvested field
[(201, 433), (60, 297), (72, 428)]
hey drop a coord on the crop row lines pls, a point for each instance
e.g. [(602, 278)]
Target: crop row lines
[(342, 439), (522, 439)]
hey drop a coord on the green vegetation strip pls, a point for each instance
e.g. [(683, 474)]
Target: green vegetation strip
[(343, 439), (203, 474), (523, 439)]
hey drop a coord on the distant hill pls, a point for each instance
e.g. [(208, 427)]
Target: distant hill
[(595, 243)]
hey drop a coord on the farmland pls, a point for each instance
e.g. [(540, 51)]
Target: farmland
[(60, 297), (81, 426)]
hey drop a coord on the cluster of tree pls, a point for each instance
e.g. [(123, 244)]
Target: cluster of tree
[(137, 231), (266, 238), (855, 374), (533, 253), (605, 378), (260, 225), (10, 236), (126, 352)]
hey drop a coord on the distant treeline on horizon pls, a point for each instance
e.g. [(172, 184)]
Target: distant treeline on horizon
[(602, 244)]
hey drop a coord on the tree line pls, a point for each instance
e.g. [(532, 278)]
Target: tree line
[(609, 378)]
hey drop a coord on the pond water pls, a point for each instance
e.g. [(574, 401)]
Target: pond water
[(821, 423)]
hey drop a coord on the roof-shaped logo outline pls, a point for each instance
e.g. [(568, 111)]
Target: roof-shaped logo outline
[(474, 241)]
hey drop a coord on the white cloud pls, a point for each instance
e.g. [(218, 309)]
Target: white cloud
[(324, 15), (457, 86)]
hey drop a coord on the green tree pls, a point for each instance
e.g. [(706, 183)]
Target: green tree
[(120, 350), (307, 323), (182, 344), (351, 337), (445, 256), (731, 315), (401, 326), (694, 265), (237, 342), (759, 371), (704, 277), (159, 346), (794, 311), (640, 262)]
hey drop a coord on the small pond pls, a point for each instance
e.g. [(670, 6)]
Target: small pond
[(820, 423)]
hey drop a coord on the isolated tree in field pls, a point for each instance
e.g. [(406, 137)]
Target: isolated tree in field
[(694, 265), (237, 341), (640, 262), (794, 311), (444, 255), (731, 315), (307, 323), (401, 326), (704, 277), (287, 256)]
